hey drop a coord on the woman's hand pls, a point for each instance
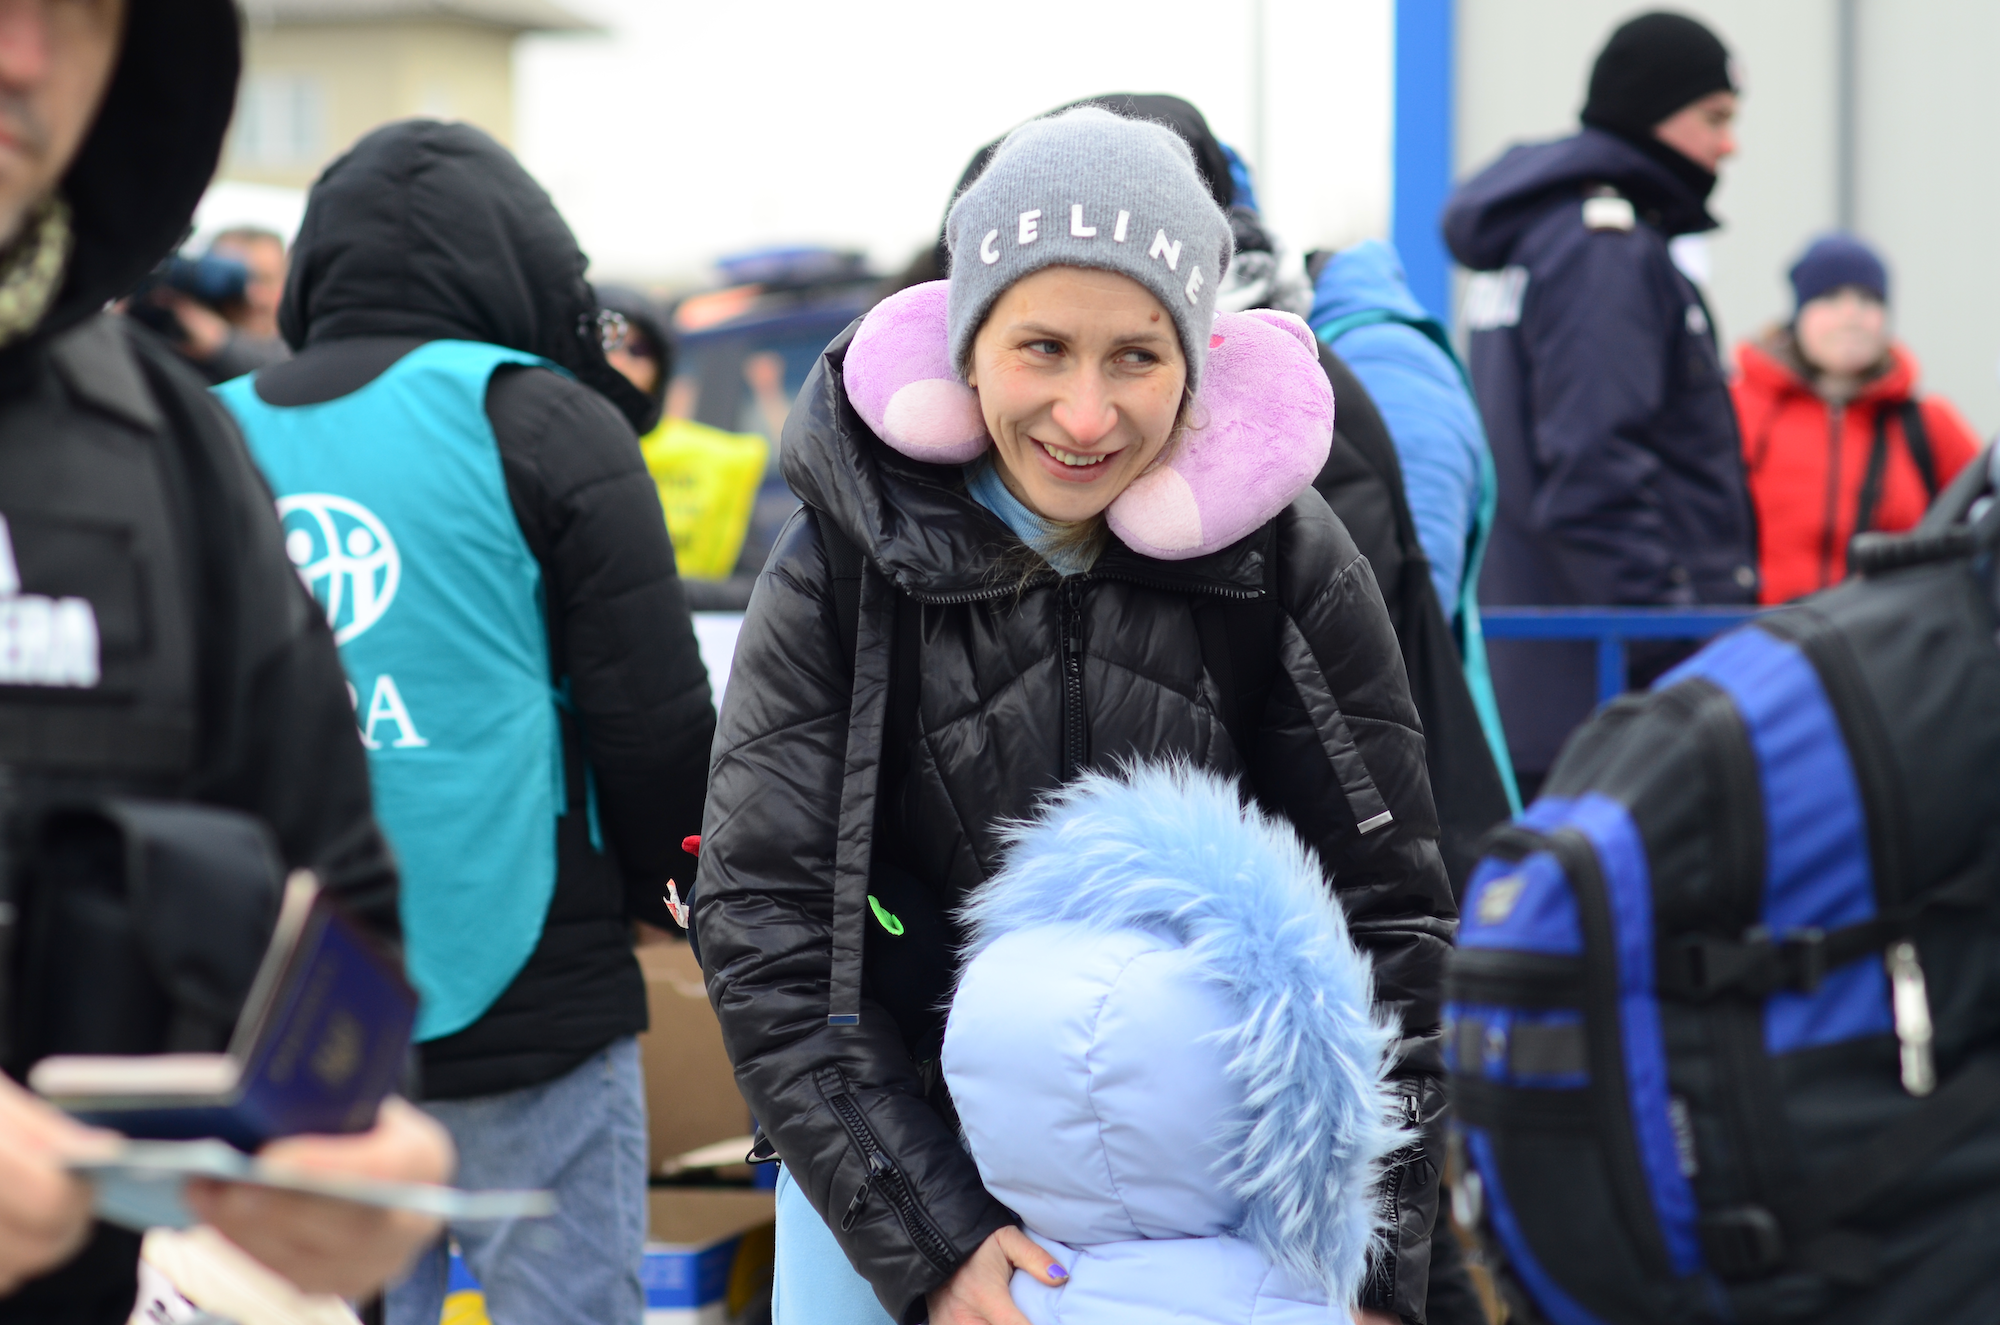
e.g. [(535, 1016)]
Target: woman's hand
[(978, 1293), (324, 1245), (44, 1210)]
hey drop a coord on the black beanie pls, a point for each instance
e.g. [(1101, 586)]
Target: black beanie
[(1654, 66)]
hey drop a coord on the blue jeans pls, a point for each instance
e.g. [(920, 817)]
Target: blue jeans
[(812, 1283), (582, 1135)]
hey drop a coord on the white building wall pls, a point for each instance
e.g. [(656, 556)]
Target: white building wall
[(1927, 187), (1930, 186)]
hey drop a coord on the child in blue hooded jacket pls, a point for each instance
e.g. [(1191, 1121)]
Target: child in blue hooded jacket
[(1164, 1057)]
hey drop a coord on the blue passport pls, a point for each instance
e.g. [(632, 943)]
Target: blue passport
[(321, 1041)]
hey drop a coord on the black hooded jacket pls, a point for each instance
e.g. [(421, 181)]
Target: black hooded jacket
[(125, 484), (906, 762), (428, 231)]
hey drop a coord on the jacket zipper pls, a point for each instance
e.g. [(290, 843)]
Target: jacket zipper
[(1829, 538), (883, 1176), (1069, 629)]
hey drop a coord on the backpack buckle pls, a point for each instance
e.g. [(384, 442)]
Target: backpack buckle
[(1700, 967), (1801, 957), (1744, 1243)]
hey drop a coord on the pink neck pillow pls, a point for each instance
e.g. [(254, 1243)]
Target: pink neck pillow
[(1262, 425)]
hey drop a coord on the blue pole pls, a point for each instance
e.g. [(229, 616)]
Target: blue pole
[(1425, 107), (1610, 668)]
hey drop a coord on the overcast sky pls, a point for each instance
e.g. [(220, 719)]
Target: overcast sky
[(690, 130)]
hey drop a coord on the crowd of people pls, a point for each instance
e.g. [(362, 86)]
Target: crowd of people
[(1111, 740)]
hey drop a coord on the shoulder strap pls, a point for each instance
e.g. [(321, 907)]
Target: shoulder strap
[(1239, 648), (1918, 439), (882, 707), (1871, 479), (1432, 330), (846, 561)]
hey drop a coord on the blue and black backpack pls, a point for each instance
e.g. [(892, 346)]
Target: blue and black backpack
[(1724, 1020)]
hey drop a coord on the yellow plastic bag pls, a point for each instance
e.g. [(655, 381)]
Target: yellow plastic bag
[(708, 481)]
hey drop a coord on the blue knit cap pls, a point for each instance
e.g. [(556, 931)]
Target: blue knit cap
[(1833, 261)]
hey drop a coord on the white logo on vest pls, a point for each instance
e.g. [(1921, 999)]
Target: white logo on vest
[(43, 641), (345, 556)]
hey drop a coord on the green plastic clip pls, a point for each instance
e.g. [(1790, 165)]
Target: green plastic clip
[(887, 921)]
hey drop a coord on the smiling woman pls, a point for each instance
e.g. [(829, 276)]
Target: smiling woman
[(1071, 404), (1081, 382)]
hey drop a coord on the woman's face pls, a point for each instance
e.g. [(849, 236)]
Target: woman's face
[(1080, 375), (1844, 333)]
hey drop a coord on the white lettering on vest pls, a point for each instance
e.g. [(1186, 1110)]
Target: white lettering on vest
[(1076, 225), (43, 641), (1493, 298), (1118, 231), (1162, 249), (1029, 231), (987, 253), (385, 706)]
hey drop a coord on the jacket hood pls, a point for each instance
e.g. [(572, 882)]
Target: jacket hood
[(1365, 277), (150, 153), (1170, 975), (1490, 212), (435, 231), (919, 527), (1772, 367)]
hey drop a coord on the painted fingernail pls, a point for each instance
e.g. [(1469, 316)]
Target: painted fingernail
[(1057, 1271)]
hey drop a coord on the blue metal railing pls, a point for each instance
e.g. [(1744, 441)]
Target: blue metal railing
[(1611, 628)]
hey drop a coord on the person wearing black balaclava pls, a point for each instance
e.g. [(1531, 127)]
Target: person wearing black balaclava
[(1596, 368)]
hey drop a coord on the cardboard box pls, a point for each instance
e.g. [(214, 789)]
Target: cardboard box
[(708, 1251), (691, 1097)]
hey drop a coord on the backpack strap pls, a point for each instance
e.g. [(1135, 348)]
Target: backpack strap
[(1239, 648), (1917, 439), (880, 642), (1871, 478)]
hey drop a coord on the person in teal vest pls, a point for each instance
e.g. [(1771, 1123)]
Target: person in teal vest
[(460, 485)]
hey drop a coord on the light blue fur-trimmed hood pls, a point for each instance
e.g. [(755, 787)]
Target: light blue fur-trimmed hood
[(1235, 903)]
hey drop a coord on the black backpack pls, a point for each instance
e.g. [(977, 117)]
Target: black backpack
[(1724, 1020)]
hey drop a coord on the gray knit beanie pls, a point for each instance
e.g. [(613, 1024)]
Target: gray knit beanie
[(1089, 189)]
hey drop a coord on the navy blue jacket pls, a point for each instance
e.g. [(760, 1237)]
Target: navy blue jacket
[(1621, 478)]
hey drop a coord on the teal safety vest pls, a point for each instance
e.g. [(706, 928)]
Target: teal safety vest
[(396, 515)]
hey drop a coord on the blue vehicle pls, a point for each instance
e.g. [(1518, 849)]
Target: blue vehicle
[(744, 350)]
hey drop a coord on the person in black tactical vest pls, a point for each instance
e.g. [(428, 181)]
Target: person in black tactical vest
[(154, 641)]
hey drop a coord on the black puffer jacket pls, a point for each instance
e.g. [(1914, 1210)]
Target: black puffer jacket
[(1022, 685), (426, 231)]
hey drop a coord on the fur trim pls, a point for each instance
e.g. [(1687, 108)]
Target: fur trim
[(1172, 851)]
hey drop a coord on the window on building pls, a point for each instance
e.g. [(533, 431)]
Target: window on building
[(281, 121)]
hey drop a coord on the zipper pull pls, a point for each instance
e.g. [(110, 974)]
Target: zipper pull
[(1912, 1006), (877, 1166)]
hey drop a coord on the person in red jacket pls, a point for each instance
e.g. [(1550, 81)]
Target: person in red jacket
[(1835, 437)]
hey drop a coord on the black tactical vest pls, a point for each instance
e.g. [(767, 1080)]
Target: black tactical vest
[(98, 578)]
